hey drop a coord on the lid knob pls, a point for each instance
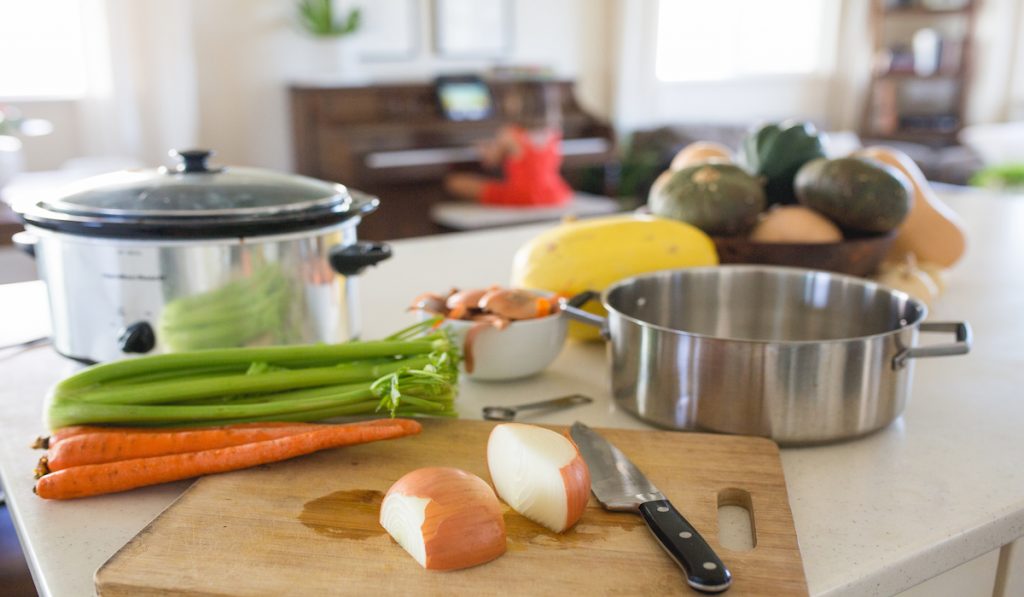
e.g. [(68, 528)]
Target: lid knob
[(192, 160)]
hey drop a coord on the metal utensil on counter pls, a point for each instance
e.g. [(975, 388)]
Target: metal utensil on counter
[(508, 413), (26, 343), (619, 485)]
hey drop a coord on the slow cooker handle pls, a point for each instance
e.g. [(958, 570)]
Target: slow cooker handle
[(351, 260), (960, 329), (25, 242), (571, 308)]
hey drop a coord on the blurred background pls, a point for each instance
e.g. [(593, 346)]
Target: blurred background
[(348, 91), (95, 85)]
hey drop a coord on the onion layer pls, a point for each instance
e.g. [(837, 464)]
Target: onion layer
[(539, 473), (445, 518)]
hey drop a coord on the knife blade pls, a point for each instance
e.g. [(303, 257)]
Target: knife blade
[(619, 485)]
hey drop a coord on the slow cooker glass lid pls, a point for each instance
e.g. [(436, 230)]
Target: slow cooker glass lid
[(194, 189)]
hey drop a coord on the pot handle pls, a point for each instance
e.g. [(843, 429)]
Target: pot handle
[(351, 260), (571, 308), (962, 345), (25, 242)]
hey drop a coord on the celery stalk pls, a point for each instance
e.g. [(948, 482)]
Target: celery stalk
[(413, 372), (205, 387), (241, 357)]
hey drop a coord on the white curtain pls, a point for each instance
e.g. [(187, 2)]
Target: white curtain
[(850, 80), (141, 99), (997, 35)]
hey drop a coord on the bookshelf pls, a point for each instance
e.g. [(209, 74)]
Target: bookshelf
[(921, 69)]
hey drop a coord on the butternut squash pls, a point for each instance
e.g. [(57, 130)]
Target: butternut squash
[(931, 232), (700, 152)]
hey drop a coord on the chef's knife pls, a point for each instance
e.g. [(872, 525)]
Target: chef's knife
[(619, 485)]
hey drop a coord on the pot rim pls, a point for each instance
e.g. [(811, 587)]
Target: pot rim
[(785, 270), (180, 242)]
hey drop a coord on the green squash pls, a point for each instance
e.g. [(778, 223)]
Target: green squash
[(858, 194), (717, 198), (777, 151)]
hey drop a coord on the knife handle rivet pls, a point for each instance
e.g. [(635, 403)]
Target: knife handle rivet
[(662, 508), (710, 565), (686, 534)]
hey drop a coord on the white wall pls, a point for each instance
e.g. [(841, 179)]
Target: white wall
[(249, 50), (999, 28), (1017, 93), (50, 151)]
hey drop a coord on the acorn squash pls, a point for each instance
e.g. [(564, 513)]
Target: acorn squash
[(859, 195), (932, 232), (717, 198), (777, 151)]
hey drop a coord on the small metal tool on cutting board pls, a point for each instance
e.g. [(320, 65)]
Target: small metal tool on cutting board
[(508, 413)]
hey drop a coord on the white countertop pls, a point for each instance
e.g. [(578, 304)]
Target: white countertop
[(936, 489)]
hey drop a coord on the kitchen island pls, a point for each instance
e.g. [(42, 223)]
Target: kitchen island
[(939, 492)]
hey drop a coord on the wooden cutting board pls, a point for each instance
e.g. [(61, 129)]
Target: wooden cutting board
[(309, 526)]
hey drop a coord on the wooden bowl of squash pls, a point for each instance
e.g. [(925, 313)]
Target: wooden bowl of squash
[(788, 204), (856, 256)]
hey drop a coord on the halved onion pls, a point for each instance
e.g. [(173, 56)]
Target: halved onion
[(445, 518), (539, 473)]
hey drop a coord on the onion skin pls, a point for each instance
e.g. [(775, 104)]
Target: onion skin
[(576, 476), (463, 524)]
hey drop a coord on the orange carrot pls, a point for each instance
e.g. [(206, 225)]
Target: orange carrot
[(111, 446), (44, 442), (543, 307), (110, 477)]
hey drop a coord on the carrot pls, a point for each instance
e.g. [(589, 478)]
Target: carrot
[(543, 307), (44, 442), (110, 477), (114, 445)]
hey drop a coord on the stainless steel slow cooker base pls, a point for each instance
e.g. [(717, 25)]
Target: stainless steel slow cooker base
[(198, 256), (104, 289)]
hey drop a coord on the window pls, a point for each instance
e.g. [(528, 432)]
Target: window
[(41, 49), (702, 40)]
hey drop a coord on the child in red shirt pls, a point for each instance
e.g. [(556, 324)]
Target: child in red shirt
[(531, 163)]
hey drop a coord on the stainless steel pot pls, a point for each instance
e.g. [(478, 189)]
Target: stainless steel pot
[(199, 257), (799, 356)]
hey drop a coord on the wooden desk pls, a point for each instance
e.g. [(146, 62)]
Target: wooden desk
[(9, 224), (463, 215), (391, 140)]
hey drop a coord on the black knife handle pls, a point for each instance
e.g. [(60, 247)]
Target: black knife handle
[(704, 570)]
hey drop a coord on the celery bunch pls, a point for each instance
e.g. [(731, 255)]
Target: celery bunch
[(413, 372), (232, 315)]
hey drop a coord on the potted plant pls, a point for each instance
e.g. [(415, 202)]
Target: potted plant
[(332, 33)]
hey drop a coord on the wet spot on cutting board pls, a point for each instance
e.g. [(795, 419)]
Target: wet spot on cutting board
[(596, 525), (350, 514)]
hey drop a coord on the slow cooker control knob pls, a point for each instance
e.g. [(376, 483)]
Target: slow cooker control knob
[(137, 337)]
